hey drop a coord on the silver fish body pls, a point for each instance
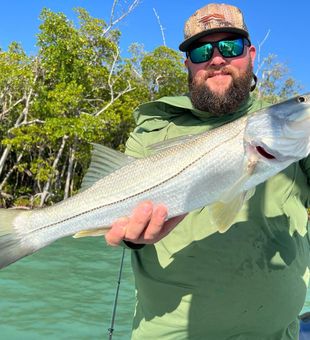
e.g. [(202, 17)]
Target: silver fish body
[(172, 176), (202, 170)]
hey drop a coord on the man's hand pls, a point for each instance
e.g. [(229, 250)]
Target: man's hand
[(146, 225)]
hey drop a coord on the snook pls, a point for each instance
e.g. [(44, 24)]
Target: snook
[(215, 169)]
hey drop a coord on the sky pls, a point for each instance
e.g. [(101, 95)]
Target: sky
[(285, 23)]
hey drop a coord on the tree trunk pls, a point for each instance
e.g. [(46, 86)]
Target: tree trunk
[(70, 171), (4, 157), (10, 171), (45, 193)]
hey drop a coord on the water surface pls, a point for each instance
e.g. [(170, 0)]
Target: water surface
[(66, 291)]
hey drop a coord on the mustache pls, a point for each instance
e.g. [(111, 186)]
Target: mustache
[(225, 70)]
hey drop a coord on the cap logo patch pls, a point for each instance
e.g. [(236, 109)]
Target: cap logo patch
[(207, 18)]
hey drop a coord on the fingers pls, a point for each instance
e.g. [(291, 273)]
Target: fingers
[(155, 226), (146, 225), (140, 218), (117, 232), (130, 229), (171, 224)]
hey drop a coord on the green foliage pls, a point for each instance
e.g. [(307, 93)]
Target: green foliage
[(275, 84), (16, 77), (41, 169), (156, 74), (163, 73)]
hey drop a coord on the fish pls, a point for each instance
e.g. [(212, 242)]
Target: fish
[(218, 169)]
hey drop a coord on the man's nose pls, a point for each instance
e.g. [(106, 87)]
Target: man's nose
[(217, 58)]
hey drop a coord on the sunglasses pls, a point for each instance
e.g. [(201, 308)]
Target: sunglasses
[(228, 48)]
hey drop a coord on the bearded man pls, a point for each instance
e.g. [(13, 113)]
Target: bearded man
[(192, 282)]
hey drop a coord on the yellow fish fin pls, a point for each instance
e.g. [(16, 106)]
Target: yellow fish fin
[(224, 211), (223, 214), (91, 232)]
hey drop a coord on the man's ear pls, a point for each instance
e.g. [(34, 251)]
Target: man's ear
[(252, 51), (186, 63)]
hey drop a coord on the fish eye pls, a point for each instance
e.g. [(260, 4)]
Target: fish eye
[(301, 99)]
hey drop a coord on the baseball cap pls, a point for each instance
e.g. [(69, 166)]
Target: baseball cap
[(213, 18)]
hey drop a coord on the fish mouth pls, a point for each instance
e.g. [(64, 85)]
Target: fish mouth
[(263, 152)]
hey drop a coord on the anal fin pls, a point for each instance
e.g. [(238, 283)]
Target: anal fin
[(92, 232)]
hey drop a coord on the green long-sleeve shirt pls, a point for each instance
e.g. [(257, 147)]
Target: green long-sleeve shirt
[(248, 283)]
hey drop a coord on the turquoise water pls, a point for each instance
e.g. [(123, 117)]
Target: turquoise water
[(66, 291)]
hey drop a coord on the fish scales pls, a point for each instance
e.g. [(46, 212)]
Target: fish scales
[(117, 194)]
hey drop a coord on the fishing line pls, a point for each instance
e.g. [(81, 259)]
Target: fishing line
[(111, 329)]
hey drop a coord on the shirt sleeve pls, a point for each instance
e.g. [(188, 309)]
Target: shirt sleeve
[(305, 166), (134, 146)]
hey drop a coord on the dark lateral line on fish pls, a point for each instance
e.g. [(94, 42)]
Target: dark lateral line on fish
[(130, 197)]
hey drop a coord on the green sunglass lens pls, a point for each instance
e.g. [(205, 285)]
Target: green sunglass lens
[(231, 48), (201, 54)]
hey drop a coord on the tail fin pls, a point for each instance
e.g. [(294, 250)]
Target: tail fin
[(12, 247)]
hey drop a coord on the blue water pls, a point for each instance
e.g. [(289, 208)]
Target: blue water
[(66, 291)]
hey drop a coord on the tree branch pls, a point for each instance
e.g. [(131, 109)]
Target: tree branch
[(3, 113), (260, 63), (160, 26), (35, 121), (111, 83), (113, 21)]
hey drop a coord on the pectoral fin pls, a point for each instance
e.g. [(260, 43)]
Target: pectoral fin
[(91, 232), (223, 214)]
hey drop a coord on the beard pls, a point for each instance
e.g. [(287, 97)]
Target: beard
[(227, 102)]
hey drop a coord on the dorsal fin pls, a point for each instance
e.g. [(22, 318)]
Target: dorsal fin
[(104, 161)]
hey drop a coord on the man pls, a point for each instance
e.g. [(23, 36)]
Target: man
[(192, 282)]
